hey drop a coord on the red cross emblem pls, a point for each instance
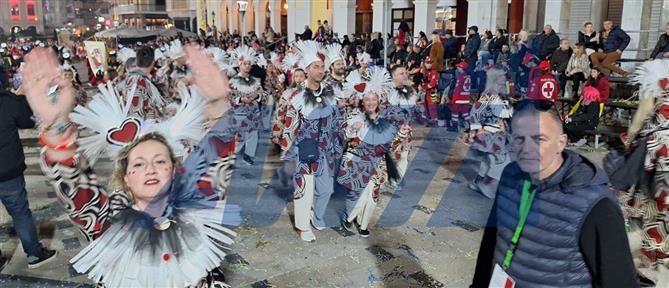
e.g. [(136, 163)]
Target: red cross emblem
[(467, 85), (547, 89)]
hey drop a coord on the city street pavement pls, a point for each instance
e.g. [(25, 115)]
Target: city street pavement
[(424, 234)]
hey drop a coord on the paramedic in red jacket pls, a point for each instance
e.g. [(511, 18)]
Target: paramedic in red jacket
[(461, 96), (544, 87)]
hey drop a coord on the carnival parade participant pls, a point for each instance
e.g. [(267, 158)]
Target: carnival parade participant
[(489, 130), (161, 226), (146, 100), (310, 138), (246, 95), (367, 164)]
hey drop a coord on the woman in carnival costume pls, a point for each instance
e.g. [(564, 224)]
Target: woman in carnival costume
[(367, 163), (489, 131), (647, 203), (162, 226), (247, 93)]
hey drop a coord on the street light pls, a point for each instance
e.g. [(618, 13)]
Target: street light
[(242, 5)]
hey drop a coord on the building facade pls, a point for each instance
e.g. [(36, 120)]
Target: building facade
[(17, 15), (148, 14)]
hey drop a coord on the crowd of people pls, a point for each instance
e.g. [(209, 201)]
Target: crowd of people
[(174, 113)]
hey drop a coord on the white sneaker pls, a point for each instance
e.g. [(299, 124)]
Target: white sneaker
[(307, 236)]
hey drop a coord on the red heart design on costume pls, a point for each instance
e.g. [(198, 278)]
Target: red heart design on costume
[(321, 56), (664, 83), (125, 134), (360, 87)]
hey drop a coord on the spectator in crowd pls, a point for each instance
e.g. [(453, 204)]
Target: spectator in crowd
[(546, 43), (577, 68), (471, 48), (450, 44), (403, 31), (600, 81), (503, 56), (589, 38), (375, 47), (661, 50), (398, 57), (484, 51), (581, 241), (517, 57), (585, 117), (543, 87), (614, 41), (559, 63), (414, 64), (306, 35), (16, 114), (437, 52), (497, 42)]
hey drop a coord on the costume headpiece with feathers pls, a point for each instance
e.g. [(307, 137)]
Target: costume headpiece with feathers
[(107, 116), (653, 79), (379, 82)]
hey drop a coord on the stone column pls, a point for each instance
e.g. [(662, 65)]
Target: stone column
[(299, 14), (487, 14), (343, 16), (259, 10), (424, 11), (275, 16)]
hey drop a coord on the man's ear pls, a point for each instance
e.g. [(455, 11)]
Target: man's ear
[(562, 142)]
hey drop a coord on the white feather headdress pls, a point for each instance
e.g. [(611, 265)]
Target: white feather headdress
[(175, 50), (158, 54), (275, 59), (262, 62), (379, 82), (290, 62), (310, 51), (333, 54), (243, 53), (125, 53), (653, 79), (107, 117), (364, 57)]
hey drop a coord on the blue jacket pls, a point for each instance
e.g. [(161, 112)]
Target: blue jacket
[(548, 252), (618, 40)]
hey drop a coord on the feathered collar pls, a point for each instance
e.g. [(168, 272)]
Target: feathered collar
[(378, 131), (315, 104), (245, 85)]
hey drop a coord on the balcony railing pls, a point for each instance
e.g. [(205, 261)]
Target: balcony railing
[(137, 8)]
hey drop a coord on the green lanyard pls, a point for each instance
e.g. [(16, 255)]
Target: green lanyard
[(525, 205)]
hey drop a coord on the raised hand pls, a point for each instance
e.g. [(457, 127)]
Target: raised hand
[(209, 79), (41, 72)]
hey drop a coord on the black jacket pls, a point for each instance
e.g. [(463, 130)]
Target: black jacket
[(617, 40), (661, 46), (585, 39), (560, 59), (587, 115), (306, 35), (497, 43), (549, 42), (14, 114), (450, 48), (472, 46)]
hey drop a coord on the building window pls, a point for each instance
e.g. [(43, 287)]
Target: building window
[(445, 18), (14, 10), (30, 7)]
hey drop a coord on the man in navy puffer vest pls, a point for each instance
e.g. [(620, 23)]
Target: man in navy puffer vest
[(574, 233)]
